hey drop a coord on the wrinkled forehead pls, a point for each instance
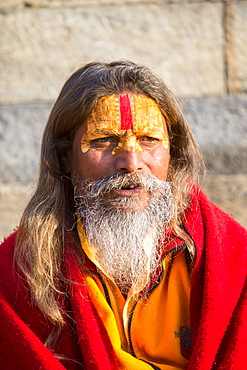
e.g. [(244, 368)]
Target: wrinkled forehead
[(125, 113)]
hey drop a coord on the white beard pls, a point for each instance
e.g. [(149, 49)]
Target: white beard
[(127, 242)]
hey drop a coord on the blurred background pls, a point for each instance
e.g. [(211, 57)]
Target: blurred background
[(198, 47)]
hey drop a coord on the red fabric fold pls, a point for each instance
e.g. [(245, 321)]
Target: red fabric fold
[(83, 343), (218, 288), (95, 344), (218, 305), (20, 348)]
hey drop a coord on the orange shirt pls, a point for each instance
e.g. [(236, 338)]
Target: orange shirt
[(151, 329)]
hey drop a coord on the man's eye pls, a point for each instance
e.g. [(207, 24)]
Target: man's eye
[(101, 140), (149, 142), (148, 138), (104, 142), (105, 139)]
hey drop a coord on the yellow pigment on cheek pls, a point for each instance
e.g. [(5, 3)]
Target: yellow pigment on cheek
[(105, 120)]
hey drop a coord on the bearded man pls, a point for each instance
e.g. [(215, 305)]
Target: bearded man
[(120, 261)]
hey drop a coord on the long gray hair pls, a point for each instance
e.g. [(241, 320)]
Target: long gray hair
[(49, 217)]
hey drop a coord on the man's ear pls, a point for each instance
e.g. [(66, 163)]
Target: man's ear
[(66, 158)]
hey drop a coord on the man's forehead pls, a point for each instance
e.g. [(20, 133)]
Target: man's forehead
[(126, 113), (126, 116)]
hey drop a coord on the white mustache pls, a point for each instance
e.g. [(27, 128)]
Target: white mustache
[(147, 182)]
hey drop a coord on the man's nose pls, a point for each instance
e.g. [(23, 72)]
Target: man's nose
[(128, 161)]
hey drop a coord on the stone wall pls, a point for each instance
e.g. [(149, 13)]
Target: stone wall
[(198, 47)]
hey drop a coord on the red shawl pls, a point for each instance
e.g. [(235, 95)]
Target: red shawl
[(218, 305)]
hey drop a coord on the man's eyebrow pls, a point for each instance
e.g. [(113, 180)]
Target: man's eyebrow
[(104, 132), (147, 132)]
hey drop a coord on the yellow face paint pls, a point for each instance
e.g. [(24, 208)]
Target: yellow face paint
[(133, 121)]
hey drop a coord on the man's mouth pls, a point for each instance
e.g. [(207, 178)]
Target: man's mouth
[(129, 186), (129, 190)]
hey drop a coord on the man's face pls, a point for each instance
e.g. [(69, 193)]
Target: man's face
[(124, 134)]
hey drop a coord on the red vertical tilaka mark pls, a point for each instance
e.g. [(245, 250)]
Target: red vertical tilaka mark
[(125, 113)]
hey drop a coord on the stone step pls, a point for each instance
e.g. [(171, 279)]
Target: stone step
[(229, 192)]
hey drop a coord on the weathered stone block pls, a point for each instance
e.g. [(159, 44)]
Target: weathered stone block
[(21, 129), (229, 192), (240, 43), (13, 200), (40, 47), (220, 127), (14, 4)]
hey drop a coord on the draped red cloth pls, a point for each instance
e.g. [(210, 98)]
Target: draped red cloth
[(218, 305)]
